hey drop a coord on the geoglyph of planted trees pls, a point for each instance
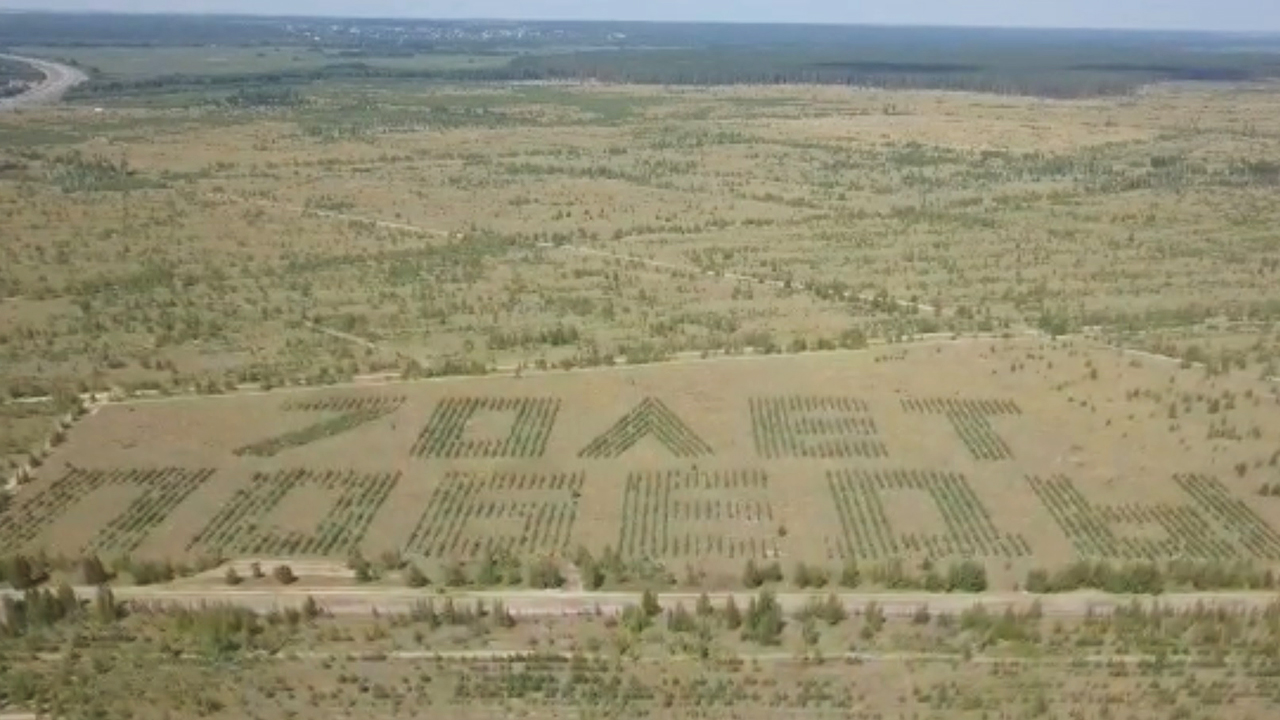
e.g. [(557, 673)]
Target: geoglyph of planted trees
[(653, 418), (705, 477), (1213, 526), (468, 515), (814, 427), (351, 412), (243, 526), (866, 532), (160, 492), (971, 423), (692, 514), (445, 433)]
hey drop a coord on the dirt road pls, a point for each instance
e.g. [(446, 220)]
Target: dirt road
[(737, 277), (57, 80), (333, 215), (356, 601), (689, 357)]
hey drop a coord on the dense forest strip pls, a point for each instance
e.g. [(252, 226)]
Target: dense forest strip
[(1050, 63), (1012, 75)]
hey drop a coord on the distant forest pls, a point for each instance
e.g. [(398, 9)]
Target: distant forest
[(1025, 70), (1052, 63)]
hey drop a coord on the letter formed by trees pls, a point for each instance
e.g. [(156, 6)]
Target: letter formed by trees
[(162, 490), (529, 424), (971, 421), (867, 533), (695, 513), (352, 412), (798, 426), (651, 418), (242, 525), (469, 514), (1214, 526)]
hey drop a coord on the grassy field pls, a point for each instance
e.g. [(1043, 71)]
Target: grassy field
[(196, 263)]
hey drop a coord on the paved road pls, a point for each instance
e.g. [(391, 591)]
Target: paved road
[(57, 80), (356, 601)]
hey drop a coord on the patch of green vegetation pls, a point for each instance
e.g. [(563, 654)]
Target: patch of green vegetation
[(31, 136), (78, 173), (603, 107)]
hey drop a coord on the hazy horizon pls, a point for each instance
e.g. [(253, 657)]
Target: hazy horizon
[(1233, 16)]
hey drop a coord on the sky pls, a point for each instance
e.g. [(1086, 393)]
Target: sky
[(1228, 15)]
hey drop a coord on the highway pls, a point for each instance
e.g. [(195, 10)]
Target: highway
[(57, 80)]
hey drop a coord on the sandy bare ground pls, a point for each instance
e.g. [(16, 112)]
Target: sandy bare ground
[(529, 603), (57, 80)]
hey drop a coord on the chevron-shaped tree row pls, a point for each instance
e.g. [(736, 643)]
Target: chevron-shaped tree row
[(653, 418)]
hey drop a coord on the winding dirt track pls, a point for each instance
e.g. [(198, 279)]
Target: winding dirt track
[(58, 79)]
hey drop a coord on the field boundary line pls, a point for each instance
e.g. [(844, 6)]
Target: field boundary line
[(681, 359), (356, 339), (737, 277)]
